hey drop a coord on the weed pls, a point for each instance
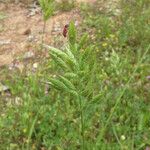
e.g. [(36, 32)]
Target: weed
[(47, 7), (66, 5), (92, 94)]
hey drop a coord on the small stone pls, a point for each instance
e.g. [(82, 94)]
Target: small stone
[(18, 101), (35, 65), (28, 55), (3, 88), (31, 38), (27, 32), (76, 23), (56, 29), (20, 66), (11, 66), (117, 12), (31, 14), (5, 42)]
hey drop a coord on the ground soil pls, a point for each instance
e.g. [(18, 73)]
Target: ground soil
[(21, 30)]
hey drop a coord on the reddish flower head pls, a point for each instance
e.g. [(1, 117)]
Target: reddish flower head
[(65, 30)]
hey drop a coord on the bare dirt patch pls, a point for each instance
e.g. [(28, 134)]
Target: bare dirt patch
[(86, 1), (23, 30)]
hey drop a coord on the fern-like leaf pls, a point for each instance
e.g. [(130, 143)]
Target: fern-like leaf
[(67, 83), (72, 33), (82, 41), (60, 62), (58, 84)]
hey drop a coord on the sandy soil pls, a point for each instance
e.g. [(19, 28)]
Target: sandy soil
[(21, 29)]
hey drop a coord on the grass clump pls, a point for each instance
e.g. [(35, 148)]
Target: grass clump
[(47, 7)]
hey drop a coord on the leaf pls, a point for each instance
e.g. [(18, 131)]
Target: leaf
[(96, 98), (60, 62), (47, 7), (67, 83), (58, 84), (66, 58), (82, 41), (58, 52), (72, 57), (87, 53), (71, 75), (72, 33), (74, 93)]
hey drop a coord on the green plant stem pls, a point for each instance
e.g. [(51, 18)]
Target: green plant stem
[(82, 123), (115, 133), (120, 96), (32, 129)]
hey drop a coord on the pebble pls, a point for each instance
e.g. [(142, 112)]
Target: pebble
[(5, 42), (31, 38), (35, 65), (28, 55), (27, 32), (3, 88)]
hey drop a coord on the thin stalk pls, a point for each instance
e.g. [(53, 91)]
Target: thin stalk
[(43, 32), (82, 123), (115, 133), (32, 129)]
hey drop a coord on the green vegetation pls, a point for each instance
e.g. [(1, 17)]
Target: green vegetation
[(65, 5), (2, 16), (91, 95), (47, 7)]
